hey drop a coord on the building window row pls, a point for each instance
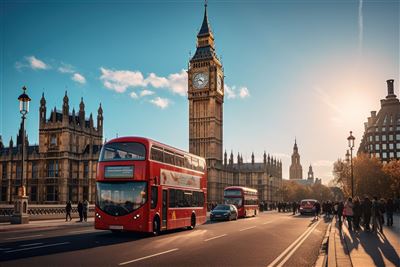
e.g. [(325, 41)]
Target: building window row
[(378, 138)]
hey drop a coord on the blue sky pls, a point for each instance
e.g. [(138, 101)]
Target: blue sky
[(307, 69)]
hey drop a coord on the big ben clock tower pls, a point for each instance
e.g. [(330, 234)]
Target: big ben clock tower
[(206, 98)]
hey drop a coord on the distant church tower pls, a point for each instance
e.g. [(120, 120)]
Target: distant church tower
[(296, 171), (206, 98), (310, 176)]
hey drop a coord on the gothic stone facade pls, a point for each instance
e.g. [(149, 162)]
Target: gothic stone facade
[(206, 99), (63, 166)]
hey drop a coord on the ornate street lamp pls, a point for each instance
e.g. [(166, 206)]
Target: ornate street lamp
[(23, 109), (20, 215), (351, 139)]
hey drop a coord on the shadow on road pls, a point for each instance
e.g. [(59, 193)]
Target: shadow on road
[(15, 250)]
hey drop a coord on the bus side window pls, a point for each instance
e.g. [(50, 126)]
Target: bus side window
[(156, 154), (188, 162), (154, 197)]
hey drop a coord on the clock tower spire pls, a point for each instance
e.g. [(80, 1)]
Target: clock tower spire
[(206, 97)]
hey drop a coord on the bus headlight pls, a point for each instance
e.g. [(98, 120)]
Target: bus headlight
[(98, 215), (137, 216)]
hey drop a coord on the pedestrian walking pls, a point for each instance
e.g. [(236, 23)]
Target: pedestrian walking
[(357, 212), (366, 211), (376, 215), (68, 209), (348, 208), (80, 211), (340, 213), (389, 212), (382, 209), (85, 209), (317, 210)]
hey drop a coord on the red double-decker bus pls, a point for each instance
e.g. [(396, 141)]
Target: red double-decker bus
[(145, 186), (245, 199)]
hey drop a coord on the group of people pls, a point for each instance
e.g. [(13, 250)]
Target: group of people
[(367, 213), (83, 209)]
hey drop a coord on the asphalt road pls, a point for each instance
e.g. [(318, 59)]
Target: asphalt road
[(270, 239)]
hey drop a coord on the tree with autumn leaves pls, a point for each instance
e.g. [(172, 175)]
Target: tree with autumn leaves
[(293, 191), (371, 177)]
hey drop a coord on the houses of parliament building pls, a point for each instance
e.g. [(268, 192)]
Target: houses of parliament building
[(63, 166)]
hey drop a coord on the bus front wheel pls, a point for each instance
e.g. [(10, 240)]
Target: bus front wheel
[(156, 226)]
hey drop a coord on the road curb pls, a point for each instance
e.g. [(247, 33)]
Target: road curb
[(323, 252)]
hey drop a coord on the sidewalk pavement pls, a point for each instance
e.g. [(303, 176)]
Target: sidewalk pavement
[(45, 224), (364, 249)]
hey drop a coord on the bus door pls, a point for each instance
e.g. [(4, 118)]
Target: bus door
[(164, 208)]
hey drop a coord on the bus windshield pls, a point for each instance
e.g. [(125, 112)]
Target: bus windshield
[(123, 151), (120, 198), (237, 201)]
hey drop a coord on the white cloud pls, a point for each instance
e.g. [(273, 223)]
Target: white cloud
[(178, 82), (231, 92), (133, 95), (244, 92), (78, 78), (146, 92), (160, 102), (120, 80), (36, 63), (33, 63), (66, 68), (156, 81)]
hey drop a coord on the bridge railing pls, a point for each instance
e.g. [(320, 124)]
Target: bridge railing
[(42, 212)]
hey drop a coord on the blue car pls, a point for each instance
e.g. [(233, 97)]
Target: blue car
[(224, 212)]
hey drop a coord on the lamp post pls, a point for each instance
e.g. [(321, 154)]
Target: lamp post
[(23, 109), (20, 215), (351, 139)]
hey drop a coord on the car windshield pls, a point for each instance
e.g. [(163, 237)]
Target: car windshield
[(123, 151), (222, 207), (120, 198), (234, 201)]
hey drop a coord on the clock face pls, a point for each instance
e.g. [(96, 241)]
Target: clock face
[(200, 80), (219, 84)]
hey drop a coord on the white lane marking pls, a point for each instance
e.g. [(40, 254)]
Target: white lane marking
[(289, 247), (215, 237), (297, 246), (150, 256), (44, 246), (5, 248), (83, 231), (248, 228), (29, 245), (21, 237), (267, 222)]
